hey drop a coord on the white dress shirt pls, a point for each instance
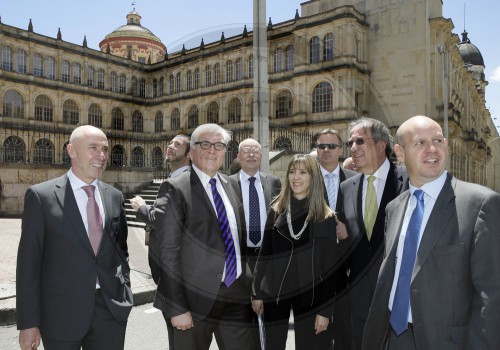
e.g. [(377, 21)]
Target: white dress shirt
[(245, 186), (336, 179)]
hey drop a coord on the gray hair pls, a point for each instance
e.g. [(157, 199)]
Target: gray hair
[(211, 129), (379, 131)]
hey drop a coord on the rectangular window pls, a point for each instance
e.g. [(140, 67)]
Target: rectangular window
[(77, 74), (21, 61), (65, 71), (50, 67), (37, 65), (6, 58)]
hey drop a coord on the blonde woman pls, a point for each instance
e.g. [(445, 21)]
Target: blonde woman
[(298, 258)]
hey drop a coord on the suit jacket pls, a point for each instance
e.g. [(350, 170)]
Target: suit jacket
[(57, 268), (364, 251), (271, 186), (455, 289), (190, 246)]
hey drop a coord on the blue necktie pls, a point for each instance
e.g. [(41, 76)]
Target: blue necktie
[(254, 225), (401, 303), (226, 235)]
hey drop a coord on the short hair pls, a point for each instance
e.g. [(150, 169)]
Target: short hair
[(212, 129), (318, 209), (379, 131), (239, 146), (325, 132), (188, 145)]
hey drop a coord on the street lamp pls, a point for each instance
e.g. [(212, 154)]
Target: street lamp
[(446, 80)]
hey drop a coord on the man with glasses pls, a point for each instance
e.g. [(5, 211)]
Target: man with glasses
[(257, 191), (204, 284), (329, 148), (365, 197)]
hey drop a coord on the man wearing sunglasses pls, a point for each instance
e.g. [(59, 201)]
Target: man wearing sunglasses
[(365, 198), (204, 284), (329, 149)]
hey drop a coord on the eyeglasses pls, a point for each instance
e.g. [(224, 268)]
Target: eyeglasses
[(358, 141), (324, 146), (248, 150), (218, 146)]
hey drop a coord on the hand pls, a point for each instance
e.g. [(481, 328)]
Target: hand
[(320, 324), (29, 339), (136, 202), (258, 306), (182, 322), (341, 230)]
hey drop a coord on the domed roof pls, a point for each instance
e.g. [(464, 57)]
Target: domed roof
[(133, 29), (470, 53)]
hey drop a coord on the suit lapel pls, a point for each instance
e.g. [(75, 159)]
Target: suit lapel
[(71, 212), (436, 224), (392, 237)]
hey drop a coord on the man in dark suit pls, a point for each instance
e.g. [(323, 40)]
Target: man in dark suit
[(365, 197), (72, 274), (203, 280), (177, 157), (438, 286), (264, 187), (329, 148)]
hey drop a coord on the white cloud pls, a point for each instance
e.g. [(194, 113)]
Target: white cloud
[(495, 75)]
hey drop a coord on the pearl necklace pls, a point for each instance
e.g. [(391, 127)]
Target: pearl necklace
[(290, 227)]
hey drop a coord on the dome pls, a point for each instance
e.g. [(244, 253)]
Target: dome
[(133, 41), (470, 53)]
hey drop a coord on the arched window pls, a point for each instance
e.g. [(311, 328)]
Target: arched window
[(314, 47), (65, 71), (123, 84), (175, 119), (213, 113), (37, 65), (50, 68), (114, 82), (322, 98), (77, 74), (157, 157), (135, 91), (189, 80), (21, 61), (65, 156), (196, 79), (234, 111), (117, 119), (14, 150), (159, 122), (328, 46), (137, 122), (284, 105), (277, 60), (13, 104), (283, 144), (100, 79), (193, 117), (44, 109), (137, 160), (289, 52), (95, 115), (250, 66), (229, 71), (71, 113), (43, 152), (6, 58), (90, 77), (217, 74), (231, 153), (117, 156), (238, 66), (208, 76)]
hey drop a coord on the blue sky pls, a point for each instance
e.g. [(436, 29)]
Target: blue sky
[(176, 22)]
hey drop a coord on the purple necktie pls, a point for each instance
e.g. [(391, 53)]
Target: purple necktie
[(226, 235), (254, 212), (94, 218)]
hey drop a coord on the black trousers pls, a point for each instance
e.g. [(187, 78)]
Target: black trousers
[(276, 321), (104, 333)]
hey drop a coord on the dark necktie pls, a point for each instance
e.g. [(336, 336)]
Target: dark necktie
[(254, 225), (226, 235), (94, 218), (401, 303)]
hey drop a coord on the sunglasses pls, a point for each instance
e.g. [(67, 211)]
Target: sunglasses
[(324, 146), (358, 141)]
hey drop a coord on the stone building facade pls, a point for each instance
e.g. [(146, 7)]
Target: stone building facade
[(336, 61)]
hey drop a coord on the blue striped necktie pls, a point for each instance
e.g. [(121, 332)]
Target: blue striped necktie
[(226, 235), (401, 304)]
